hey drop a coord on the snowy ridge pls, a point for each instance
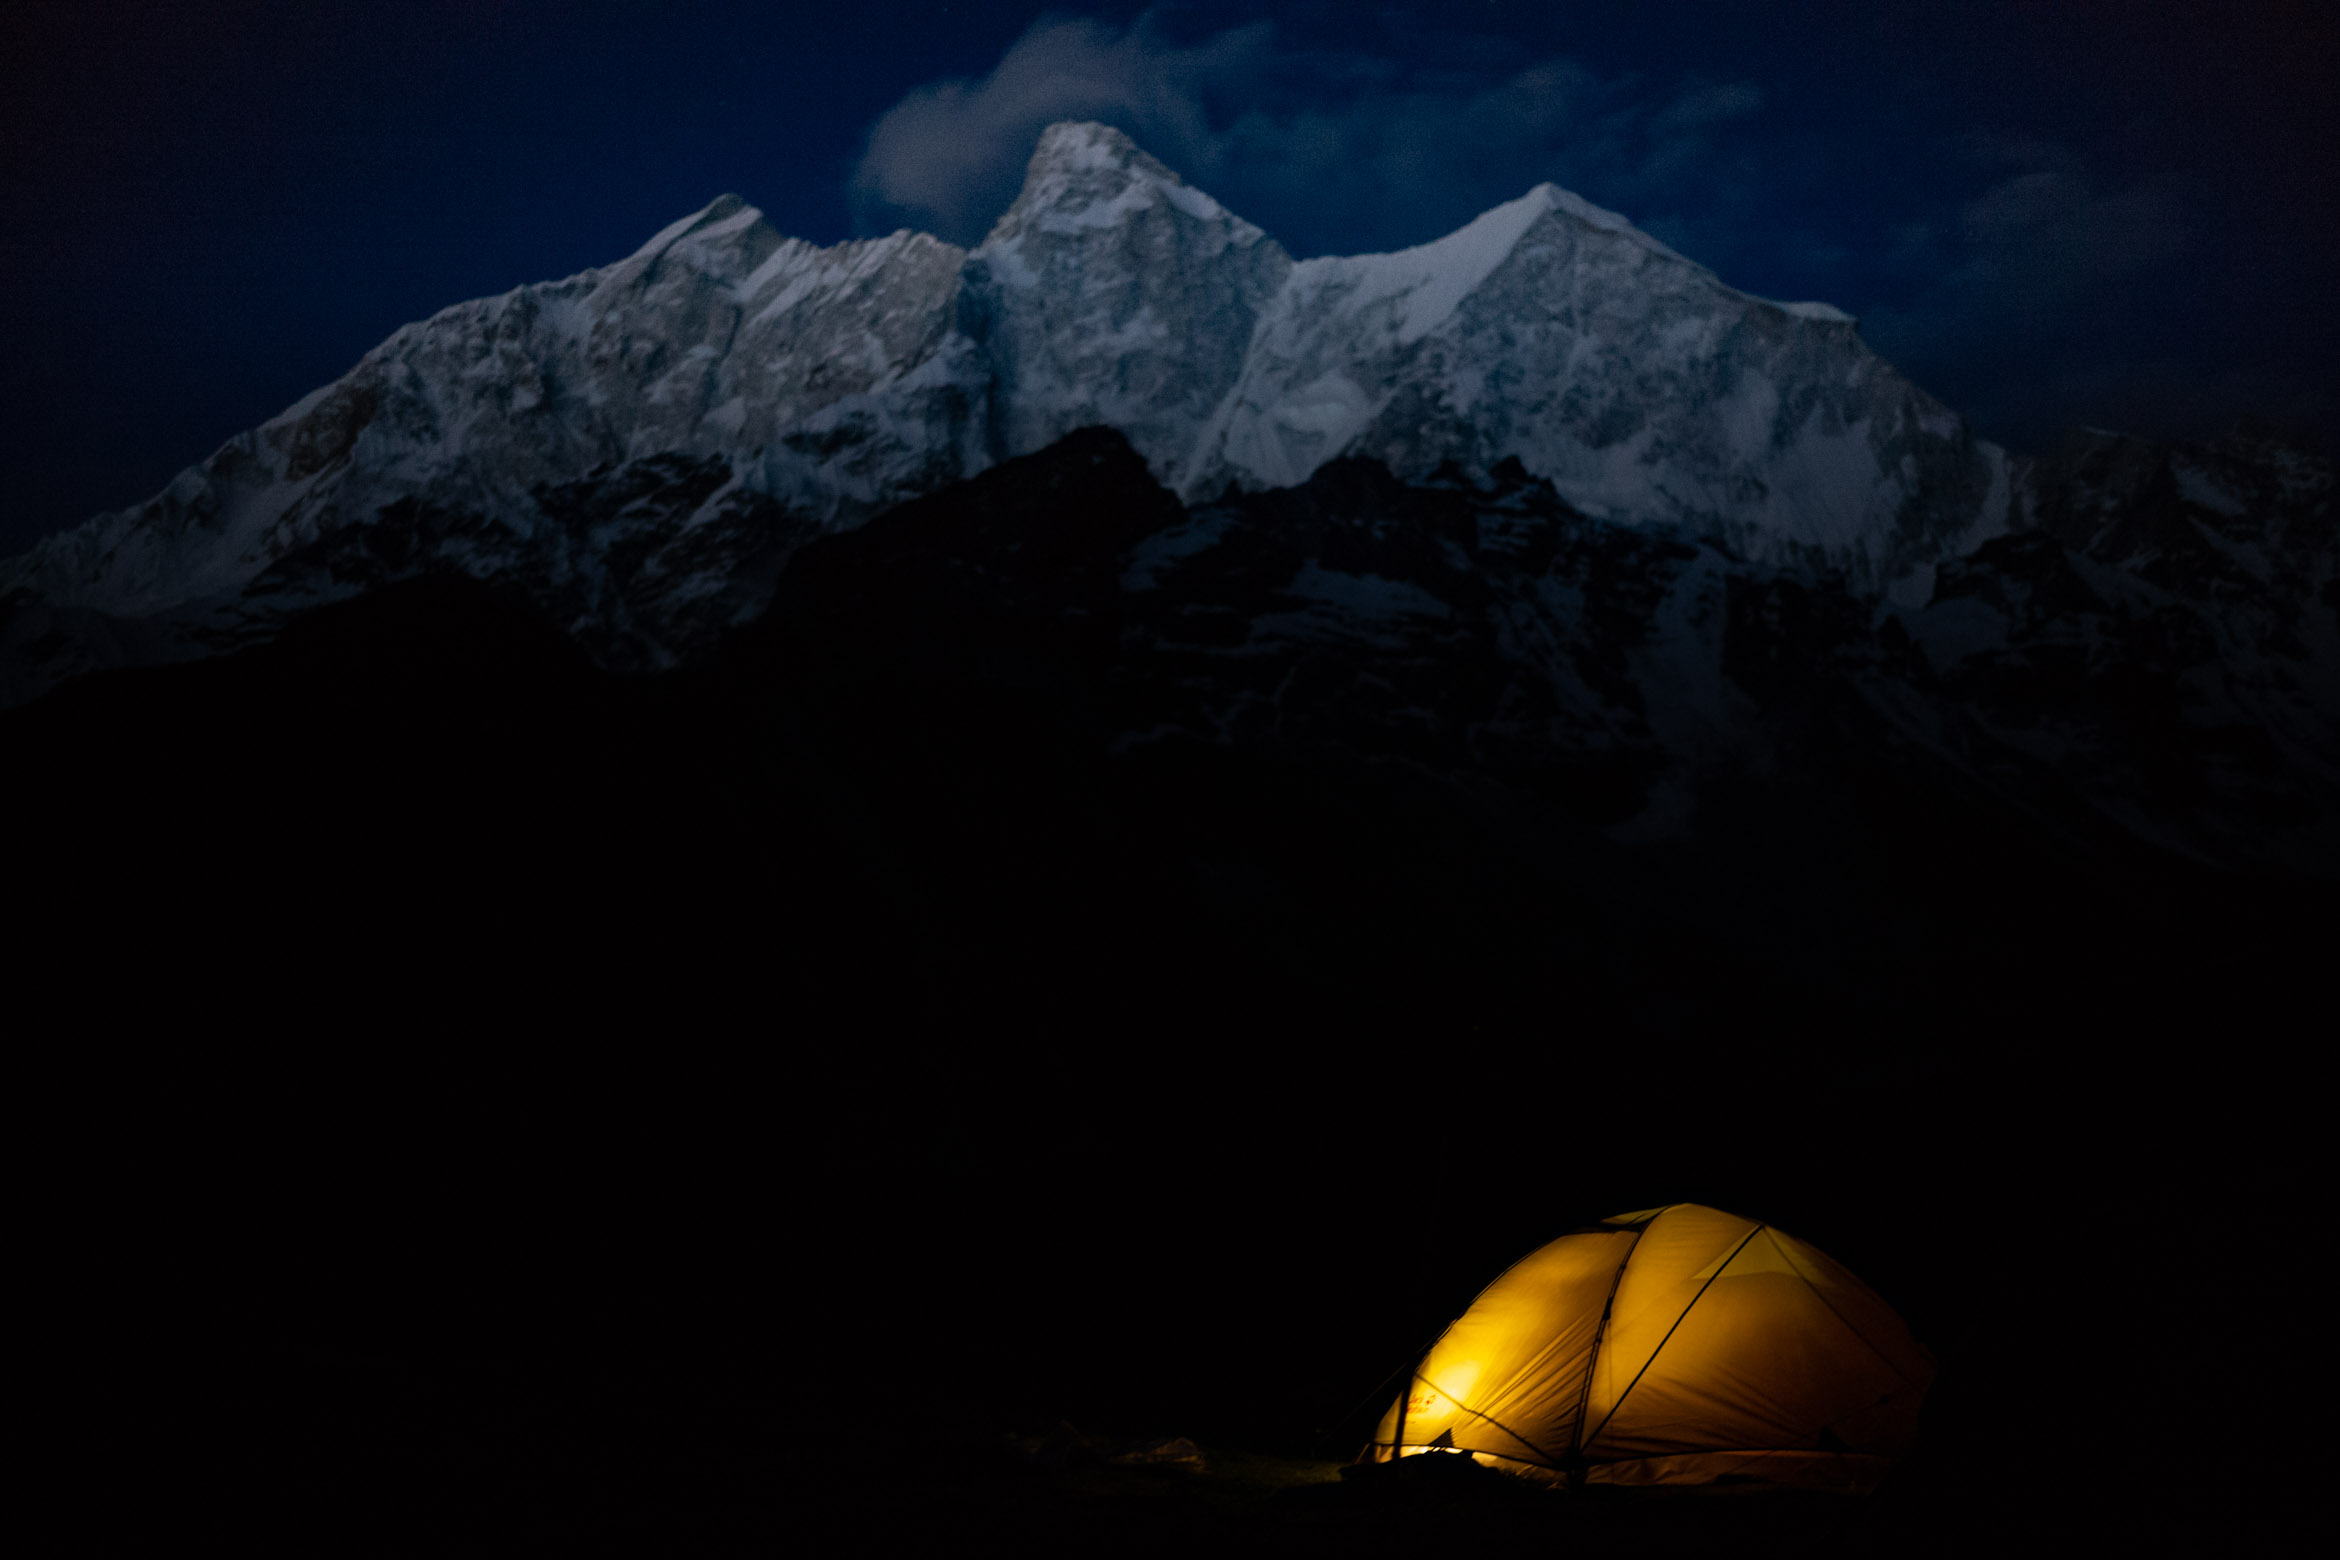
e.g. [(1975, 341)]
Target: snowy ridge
[(639, 447), (1639, 385)]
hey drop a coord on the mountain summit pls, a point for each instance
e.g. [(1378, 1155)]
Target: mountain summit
[(638, 449)]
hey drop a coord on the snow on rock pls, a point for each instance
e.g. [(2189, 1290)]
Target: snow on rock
[(636, 447), (1111, 293), (639, 447), (1642, 387)]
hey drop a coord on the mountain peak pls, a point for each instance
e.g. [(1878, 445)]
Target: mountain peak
[(1088, 142), (1551, 197), (1569, 203), (1089, 175), (724, 391), (727, 211)]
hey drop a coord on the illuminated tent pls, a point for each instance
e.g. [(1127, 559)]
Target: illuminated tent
[(1671, 1346)]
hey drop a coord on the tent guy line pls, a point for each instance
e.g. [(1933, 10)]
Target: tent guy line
[(1490, 1418)]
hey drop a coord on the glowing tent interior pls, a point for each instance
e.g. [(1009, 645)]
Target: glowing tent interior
[(1673, 1346)]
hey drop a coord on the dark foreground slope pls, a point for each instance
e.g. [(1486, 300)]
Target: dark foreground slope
[(1077, 957)]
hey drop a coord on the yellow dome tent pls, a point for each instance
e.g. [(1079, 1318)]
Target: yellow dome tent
[(1672, 1346)]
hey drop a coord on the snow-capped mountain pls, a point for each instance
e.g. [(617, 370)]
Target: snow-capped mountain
[(637, 449)]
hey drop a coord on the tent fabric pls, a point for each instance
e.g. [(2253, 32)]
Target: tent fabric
[(1675, 1345)]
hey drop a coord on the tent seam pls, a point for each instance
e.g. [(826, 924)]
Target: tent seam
[(1576, 1435), (1413, 1366), (1848, 1325), (1669, 1337)]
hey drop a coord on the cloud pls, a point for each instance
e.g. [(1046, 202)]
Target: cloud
[(2049, 297), (2008, 275), (949, 156), (1332, 151)]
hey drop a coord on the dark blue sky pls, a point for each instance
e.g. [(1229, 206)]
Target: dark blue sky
[(2048, 213)]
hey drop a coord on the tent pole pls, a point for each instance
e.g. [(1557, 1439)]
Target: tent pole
[(1397, 1440), (1592, 1361), (1405, 1369), (1677, 1327)]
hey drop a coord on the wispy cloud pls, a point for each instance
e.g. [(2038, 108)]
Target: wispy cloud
[(1331, 151), (2011, 276), (949, 155), (2053, 295)]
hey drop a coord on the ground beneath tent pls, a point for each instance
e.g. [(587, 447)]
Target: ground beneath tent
[(319, 1452), (1246, 1502)]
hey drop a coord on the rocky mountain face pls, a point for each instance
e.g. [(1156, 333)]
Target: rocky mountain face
[(2076, 682), (1542, 493), (1050, 725), (2164, 641), (635, 448), (638, 448)]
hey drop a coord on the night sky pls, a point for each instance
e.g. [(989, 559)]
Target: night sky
[(477, 1082), (2047, 213)]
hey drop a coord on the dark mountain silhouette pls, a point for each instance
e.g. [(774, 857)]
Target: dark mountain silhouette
[(1069, 927)]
